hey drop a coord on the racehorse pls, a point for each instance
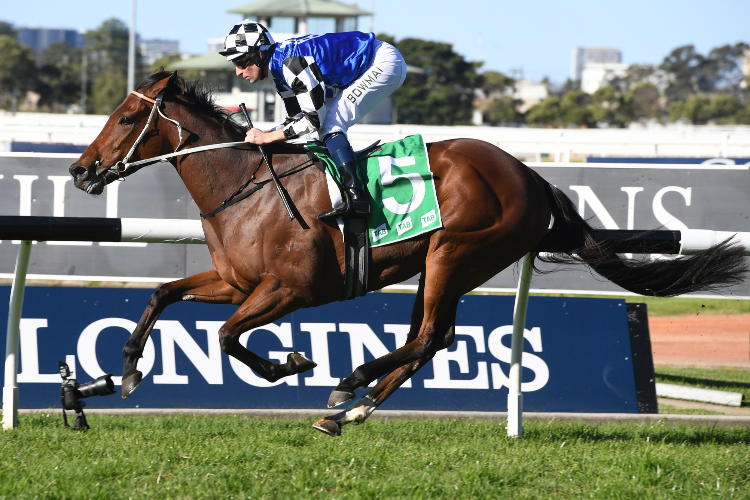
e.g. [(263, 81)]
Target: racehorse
[(494, 211)]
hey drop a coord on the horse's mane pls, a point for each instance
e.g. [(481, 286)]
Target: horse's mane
[(198, 95)]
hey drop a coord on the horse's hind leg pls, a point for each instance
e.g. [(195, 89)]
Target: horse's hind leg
[(439, 302), (364, 406), (268, 302), (203, 287)]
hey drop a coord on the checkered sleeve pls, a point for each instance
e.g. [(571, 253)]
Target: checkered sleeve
[(303, 93)]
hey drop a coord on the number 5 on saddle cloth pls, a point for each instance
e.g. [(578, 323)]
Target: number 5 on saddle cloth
[(403, 202)]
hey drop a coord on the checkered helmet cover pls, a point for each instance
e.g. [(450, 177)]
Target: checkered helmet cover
[(246, 37)]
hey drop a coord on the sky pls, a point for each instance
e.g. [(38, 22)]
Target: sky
[(536, 36)]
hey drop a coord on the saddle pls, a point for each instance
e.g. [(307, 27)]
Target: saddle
[(356, 239)]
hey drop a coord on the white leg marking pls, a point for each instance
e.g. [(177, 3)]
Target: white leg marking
[(359, 411)]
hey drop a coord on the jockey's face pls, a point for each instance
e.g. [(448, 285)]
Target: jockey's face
[(251, 73)]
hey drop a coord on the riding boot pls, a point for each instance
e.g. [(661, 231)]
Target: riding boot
[(355, 199)]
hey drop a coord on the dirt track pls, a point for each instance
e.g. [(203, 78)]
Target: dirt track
[(701, 340)]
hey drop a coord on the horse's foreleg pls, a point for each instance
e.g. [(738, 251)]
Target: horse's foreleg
[(268, 302), (203, 287)]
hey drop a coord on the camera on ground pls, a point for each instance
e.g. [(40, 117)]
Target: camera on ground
[(72, 394)]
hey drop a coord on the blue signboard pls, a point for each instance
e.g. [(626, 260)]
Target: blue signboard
[(577, 352)]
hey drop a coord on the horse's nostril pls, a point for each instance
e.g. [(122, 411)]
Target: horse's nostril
[(78, 171)]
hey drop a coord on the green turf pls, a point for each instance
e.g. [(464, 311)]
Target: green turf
[(684, 306), (667, 306), (238, 457), (676, 410), (723, 379)]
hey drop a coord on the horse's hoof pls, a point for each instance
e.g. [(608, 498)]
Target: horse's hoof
[(328, 427), (130, 383), (299, 363), (340, 397)]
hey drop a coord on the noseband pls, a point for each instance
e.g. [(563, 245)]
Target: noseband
[(123, 165)]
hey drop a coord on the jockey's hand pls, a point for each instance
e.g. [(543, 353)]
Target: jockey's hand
[(256, 136)]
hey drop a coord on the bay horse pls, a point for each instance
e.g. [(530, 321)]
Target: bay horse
[(494, 209)]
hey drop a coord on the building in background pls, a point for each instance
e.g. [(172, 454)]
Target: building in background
[(593, 67), (284, 19), (530, 93), (155, 49), (41, 38)]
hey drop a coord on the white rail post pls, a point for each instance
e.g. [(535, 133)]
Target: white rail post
[(515, 397), (10, 389)]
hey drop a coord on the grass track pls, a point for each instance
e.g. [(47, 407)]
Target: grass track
[(239, 457)]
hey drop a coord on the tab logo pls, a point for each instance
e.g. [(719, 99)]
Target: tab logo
[(379, 233), (404, 226), (428, 218)]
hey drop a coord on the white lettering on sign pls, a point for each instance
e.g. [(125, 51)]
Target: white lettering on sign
[(284, 334), (441, 363), (379, 232), (87, 348), (113, 195), (401, 332), (530, 361), (319, 342), (429, 218), (208, 365), (387, 177), (58, 207), (361, 336), (586, 195), (29, 355), (403, 226), (665, 218)]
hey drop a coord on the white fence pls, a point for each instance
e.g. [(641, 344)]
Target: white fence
[(526, 143)]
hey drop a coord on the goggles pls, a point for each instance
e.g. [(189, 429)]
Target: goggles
[(243, 60)]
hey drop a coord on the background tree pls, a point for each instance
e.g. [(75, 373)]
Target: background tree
[(606, 107), (444, 93), (18, 72), (59, 76), (546, 113), (497, 105), (107, 52), (642, 102), (7, 29)]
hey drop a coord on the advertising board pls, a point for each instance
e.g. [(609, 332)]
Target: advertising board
[(581, 355), (713, 197)]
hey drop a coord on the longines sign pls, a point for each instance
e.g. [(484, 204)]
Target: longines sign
[(578, 353), (655, 196)]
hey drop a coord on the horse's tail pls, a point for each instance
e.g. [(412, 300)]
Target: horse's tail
[(718, 267)]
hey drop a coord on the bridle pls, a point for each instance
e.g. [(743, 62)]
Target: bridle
[(124, 165)]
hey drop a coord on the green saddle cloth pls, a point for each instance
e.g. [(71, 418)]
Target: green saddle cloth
[(400, 186)]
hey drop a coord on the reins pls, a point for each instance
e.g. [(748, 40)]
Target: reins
[(123, 165), (237, 197)]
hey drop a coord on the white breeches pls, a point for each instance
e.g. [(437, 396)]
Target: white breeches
[(351, 104)]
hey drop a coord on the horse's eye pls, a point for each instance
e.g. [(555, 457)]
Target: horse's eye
[(126, 120)]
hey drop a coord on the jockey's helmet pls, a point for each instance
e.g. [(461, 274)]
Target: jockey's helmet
[(245, 42)]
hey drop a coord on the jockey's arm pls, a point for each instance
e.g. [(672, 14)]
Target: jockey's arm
[(256, 136), (303, 93)]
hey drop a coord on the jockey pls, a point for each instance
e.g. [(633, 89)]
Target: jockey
[(327, 82)]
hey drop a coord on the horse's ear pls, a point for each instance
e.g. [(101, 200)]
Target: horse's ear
[(160, 86)]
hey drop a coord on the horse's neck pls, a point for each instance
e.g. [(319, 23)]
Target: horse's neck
[(212, 176)]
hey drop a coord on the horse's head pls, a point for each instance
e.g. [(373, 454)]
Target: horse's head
[(98, 165)]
